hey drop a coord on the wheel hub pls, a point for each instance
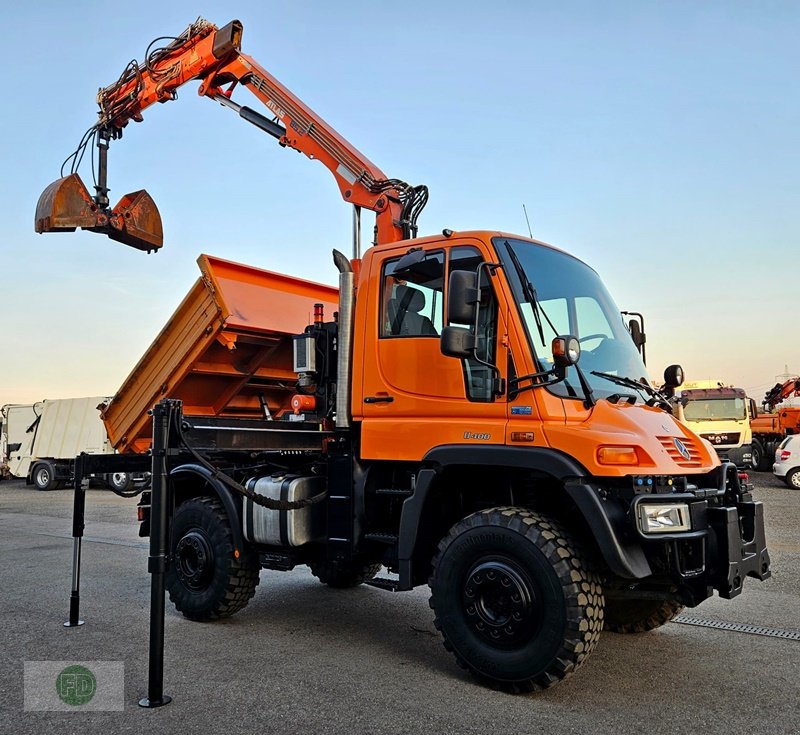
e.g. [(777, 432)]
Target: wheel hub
[(194, 560), (499, 603)]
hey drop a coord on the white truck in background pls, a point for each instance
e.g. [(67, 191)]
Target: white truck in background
[(720, 414), (16, 419), (55, 433)]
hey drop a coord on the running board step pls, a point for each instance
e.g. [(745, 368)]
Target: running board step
[(381, 538), (401, 492), (384, 583)]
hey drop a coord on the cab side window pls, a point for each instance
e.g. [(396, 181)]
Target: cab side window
[(478, 378), (412, 304)]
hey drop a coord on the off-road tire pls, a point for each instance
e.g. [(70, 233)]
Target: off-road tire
[(639, 616), (44, 476), (343, 575), (536, 620), (205, 580)]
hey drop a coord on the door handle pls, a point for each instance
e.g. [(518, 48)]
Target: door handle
[(378, 399)]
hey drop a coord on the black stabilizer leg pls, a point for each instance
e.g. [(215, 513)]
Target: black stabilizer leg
[(157, 563), (78, 508)]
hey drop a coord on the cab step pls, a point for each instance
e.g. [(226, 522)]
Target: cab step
[(384, 583), (400, 492), (381, 538)]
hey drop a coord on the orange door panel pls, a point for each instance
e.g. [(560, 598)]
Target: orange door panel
[(413, 398)]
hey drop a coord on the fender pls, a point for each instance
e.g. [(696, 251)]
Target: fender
[(626, 560), (223, 493)]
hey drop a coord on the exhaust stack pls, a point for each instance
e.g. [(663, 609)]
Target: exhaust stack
[(66, 205), (345, 341)]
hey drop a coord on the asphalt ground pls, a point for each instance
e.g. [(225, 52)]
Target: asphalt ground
[(303, 658)]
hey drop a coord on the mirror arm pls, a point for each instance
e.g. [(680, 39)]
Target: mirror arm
[(514, 388)]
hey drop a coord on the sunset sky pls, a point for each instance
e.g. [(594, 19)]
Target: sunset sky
[(659, 142)]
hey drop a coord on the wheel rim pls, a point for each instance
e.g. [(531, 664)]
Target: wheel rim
[(755, 458), (500, 603), (194, 560), (119, 479), (44, 476), (795, 479)]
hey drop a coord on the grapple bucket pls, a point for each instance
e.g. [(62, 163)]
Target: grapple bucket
[(66, 205), (135, 221)]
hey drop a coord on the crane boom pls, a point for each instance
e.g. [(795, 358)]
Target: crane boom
[(212, 56)]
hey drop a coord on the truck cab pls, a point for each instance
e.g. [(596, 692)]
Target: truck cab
[(721, 415), (410, 398)]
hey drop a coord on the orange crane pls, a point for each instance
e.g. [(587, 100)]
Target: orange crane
[(540, 485), (212, 57), (780, 392)]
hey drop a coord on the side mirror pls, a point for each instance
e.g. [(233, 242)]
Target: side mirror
[(457, 341), (637, 335), (566, 350), (462, 297)]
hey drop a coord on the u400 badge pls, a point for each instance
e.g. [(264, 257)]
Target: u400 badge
[(475, 435)]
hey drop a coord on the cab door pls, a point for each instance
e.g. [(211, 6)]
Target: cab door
[(413, 397)]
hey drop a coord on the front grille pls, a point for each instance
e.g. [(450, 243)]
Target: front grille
[(694, 459), (723, 438)]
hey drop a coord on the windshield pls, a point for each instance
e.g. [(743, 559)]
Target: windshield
[(573, 300), (715, 409)]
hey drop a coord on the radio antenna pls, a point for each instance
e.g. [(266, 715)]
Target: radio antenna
[(530, 234)]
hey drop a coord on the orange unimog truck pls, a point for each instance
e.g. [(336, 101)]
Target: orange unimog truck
[(474, 416)]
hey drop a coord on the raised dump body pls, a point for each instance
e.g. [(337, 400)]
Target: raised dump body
[(226, 351)]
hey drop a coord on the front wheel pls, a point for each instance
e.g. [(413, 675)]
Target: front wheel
[(207, 580), (633, 615), (759, 459), (514, 600)]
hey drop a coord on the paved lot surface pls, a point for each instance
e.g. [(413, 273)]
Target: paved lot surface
[(302, 658)]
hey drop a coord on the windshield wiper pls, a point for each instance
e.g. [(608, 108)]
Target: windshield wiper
[(529, 293), (655, 398)]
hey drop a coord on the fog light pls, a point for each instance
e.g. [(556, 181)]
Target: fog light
[(664, 517)]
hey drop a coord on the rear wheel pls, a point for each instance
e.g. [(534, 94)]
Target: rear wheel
[(793, 479), (343, 575), (637, 615), (122, 484), (44, 476), (206, 579), (514, 600)]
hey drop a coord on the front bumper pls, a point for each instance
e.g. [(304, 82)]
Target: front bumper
[(725, 543), (741, 456)]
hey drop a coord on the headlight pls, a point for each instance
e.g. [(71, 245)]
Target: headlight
[(664, 517)]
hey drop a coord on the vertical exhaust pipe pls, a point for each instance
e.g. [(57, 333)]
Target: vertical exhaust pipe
[(345, 340)]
